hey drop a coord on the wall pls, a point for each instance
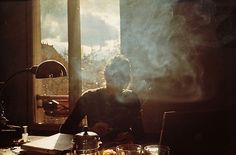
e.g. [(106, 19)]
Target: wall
[(15, 43)]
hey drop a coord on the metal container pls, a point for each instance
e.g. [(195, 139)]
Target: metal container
[(86, 143)]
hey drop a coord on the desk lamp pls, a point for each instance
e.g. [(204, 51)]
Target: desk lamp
[(46, 69)]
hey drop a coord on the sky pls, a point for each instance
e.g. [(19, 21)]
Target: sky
[(100, 24)]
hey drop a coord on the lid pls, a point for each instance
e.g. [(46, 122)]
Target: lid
[(86, 140)]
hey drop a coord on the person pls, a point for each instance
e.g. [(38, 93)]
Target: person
[(113, 112)]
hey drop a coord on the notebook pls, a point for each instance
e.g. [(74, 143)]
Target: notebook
[(50, 145)]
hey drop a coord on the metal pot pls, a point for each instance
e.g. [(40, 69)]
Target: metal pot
[(86, 143)]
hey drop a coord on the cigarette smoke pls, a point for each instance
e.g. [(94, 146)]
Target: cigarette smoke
[(162, 39)]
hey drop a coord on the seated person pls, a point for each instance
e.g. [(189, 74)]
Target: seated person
[(113, 112)]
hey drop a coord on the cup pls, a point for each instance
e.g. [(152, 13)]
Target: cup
[(156, 150), (129, 149)]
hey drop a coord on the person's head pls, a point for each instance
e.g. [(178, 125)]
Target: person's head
[(117, 73)]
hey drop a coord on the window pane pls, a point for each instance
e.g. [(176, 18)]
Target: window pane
[(52, 94), (54, 42), (100, 39)]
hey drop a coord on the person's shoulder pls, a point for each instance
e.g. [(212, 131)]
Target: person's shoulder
[(92, 92), (89, 97)]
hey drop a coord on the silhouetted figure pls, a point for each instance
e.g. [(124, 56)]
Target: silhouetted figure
[(113, 112)]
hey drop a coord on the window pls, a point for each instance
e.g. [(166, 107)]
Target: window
[(82, 35)]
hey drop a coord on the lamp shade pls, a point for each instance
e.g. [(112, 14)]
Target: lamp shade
[(49, 69)]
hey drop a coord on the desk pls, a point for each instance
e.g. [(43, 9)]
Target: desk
[(41, 145)]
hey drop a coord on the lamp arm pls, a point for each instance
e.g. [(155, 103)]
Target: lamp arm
[(11, 77)]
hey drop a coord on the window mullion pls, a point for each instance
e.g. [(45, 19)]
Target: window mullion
[(74, 51)]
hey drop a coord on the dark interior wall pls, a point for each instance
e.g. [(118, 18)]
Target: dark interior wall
[(15, 43)]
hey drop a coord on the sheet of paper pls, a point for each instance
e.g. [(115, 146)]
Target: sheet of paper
[(57, 142)]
